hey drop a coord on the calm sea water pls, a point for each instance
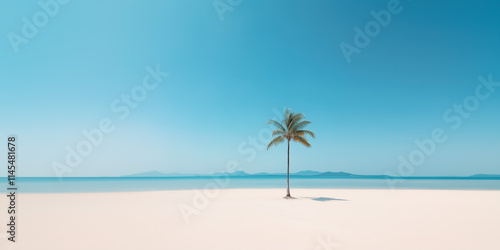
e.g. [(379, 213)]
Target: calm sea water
[(121, 184)]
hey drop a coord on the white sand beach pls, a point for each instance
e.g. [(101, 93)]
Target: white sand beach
[(259, 219)]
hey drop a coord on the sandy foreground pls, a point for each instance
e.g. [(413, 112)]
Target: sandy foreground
[(258, 219)]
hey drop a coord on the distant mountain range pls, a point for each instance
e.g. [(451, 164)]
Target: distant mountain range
[(485, 176), (307, 173), (159, 174)]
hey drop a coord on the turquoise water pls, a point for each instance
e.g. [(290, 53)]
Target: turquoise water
[(121, 184)]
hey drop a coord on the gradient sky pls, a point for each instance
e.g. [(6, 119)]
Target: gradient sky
[(227, 77)]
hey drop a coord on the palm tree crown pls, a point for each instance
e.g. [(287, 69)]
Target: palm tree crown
[(291, 128)]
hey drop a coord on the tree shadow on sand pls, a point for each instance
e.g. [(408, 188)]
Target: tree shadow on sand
[(323, 199)]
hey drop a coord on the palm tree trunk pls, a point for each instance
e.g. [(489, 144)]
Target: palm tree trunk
[(288, 172)]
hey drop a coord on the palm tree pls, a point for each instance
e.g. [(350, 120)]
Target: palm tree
[(291, 128)]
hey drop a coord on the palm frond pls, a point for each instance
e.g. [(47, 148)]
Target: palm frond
[(287, 119), (286, 116), (305, 132), (300, 125), (293, 120), (276, 124), (276, 141), (278, 132), (301, 140)]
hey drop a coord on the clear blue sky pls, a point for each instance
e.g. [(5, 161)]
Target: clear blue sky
[(226, 77)]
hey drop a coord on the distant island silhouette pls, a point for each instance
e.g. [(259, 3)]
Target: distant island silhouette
[(308, 174)]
